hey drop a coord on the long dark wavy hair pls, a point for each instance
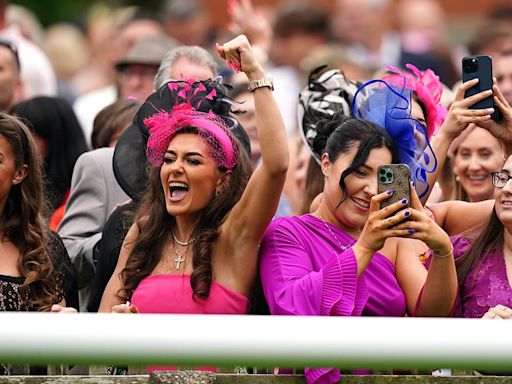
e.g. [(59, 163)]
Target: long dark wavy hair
[(22, 222), (339, 133), (155, 225), (490, 239)]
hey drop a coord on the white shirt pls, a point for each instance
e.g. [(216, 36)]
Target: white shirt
[(88, 105), (37, 73)]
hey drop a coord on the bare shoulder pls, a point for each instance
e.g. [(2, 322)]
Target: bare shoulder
[(390, 249), (132, 234)]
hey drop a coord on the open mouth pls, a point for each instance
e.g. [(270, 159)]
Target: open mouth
[(177, 190)]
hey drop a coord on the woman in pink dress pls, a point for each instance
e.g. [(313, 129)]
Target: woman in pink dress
[(193, 247), (484, 261), (482, 252)]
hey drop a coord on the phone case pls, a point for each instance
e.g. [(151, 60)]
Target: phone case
[(396, 177), (483, 71)]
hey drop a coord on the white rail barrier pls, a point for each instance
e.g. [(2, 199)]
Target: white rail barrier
[(264, 341)]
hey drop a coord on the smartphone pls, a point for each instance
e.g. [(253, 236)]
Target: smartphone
[(396, 177), (479, 67)]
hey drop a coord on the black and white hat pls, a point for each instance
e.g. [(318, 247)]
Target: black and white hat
[(326, 93)]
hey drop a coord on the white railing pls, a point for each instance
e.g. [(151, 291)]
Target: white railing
[(263, 341)]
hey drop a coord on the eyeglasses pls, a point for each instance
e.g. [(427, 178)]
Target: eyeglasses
[(14, 50), (143, 71), (500, 179)]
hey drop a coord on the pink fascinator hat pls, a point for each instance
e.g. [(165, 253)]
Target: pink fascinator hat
[(175, 106), (427, 87)]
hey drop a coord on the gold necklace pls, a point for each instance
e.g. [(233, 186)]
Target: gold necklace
[(179, 257), (343, 247), (182, 243)]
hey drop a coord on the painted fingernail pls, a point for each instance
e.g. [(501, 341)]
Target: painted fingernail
[(231, 65), (411, 231), (407, 213), (390, 191), (404, 201)]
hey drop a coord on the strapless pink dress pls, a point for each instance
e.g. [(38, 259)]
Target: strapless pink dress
[(172, 293)]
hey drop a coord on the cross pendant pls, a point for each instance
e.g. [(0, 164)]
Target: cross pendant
[(178, 260)]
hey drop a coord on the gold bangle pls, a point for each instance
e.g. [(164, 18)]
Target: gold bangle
[(445, 255)]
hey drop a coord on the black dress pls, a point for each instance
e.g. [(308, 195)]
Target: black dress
[(107, 250), (12, 300)]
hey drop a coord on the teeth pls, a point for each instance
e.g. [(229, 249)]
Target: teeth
[(361, 203), (177, 184), (477, 178), (508, 203)]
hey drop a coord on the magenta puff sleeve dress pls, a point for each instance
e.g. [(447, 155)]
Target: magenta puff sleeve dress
[(305, 270)]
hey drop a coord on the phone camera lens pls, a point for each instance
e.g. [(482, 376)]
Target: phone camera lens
[(383, 179), (382, 171), (470, 65), (389, 175)]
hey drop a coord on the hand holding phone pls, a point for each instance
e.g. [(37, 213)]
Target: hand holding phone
[(396, 177), (393, 188), (480, 67)]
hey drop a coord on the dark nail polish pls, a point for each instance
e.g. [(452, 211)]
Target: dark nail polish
[(404, 201), (407, 213), (390, 191), (411, 231)]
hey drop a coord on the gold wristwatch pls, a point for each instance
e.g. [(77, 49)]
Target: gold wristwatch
[(265, 82)]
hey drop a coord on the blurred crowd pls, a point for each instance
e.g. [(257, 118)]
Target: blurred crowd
[(115, 54)]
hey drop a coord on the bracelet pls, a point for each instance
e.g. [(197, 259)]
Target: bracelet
[(445, 255), (265, 82)]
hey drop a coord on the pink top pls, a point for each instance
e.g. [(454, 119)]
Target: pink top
[(172, 293), (486, 284)]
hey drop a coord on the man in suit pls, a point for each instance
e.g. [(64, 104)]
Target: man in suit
[(95, 192)]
